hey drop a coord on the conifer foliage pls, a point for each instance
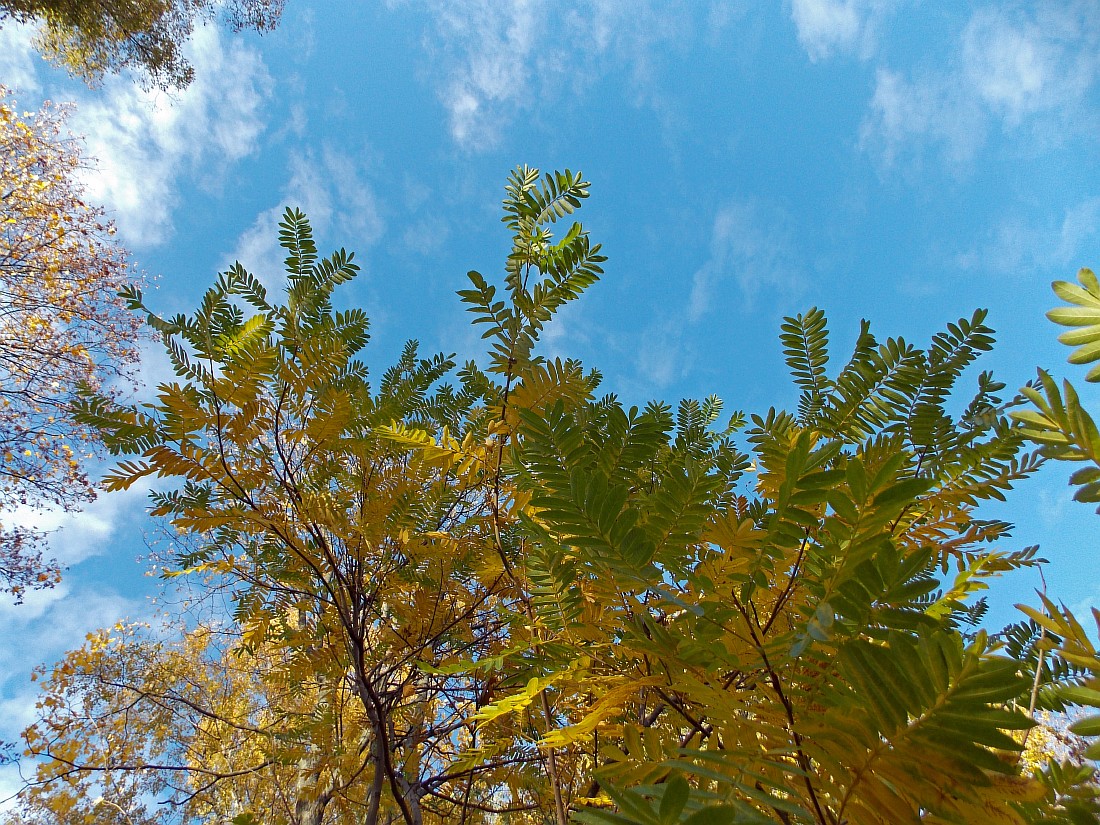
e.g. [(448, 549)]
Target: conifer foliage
[(490, 594)]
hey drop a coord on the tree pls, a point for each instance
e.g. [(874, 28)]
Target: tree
[(133, 717), (335, 531), (804, 640), (535, 603), (91, 40), (796, 643), (62, 325)]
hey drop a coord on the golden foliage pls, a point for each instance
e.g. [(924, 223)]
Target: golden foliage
[(62, 326), (512, 602)]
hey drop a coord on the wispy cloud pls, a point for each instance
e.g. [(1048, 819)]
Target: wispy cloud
[(154, 368), (148, 143), (1026, 74), (752, 258), (77, 536), (51, 622), (143, 145), (17, 57), (488, 50), (906, 116), (47, 625), (333, 189), (1018, 246), (829, 27), (664, 356), (1018, 65), (751, 245), (494, 60)]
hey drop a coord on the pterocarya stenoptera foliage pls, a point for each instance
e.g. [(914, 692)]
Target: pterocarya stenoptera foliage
[(514, 600), (1065, 431), (368, 530)]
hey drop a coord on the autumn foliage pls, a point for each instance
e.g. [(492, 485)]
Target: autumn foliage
[(91, 40), (62, 327), (489, 595)]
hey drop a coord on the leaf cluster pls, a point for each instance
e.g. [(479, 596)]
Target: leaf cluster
[(91, 40), (504, 597)]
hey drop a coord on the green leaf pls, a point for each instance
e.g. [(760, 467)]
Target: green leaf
[(1080, 695), (673, 799), (903, 492), (1084, 315), (714, 815), (1089, 726)]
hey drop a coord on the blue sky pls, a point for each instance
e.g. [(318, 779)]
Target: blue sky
[(900, 161)]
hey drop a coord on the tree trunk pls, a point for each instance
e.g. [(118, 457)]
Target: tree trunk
[(311, 801), (374, 798)]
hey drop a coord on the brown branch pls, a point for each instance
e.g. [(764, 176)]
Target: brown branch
[(822, 815), (786, 594)]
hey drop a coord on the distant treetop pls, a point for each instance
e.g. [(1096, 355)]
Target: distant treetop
[(91, 40)]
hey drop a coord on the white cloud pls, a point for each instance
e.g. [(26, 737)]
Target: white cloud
[(828, 27), (1050, 247), (333, 189), (1079, 224), (488, 47), (154, 367), (427, 235), (492, 60), (825, 25), (636, 36), (722, 14), (258, 249), (77, 536), (51, 622), (143, 144), (906, 115), (1028, 75), (18, 57), (146, 142), (40, 632), (750, 245), (357, 216), (662, 358), (57, 622), (1019, 65), (1009, 66)]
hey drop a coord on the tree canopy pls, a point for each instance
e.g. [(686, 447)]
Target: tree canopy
[(62, 326), (489, 594), (91, 40)]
